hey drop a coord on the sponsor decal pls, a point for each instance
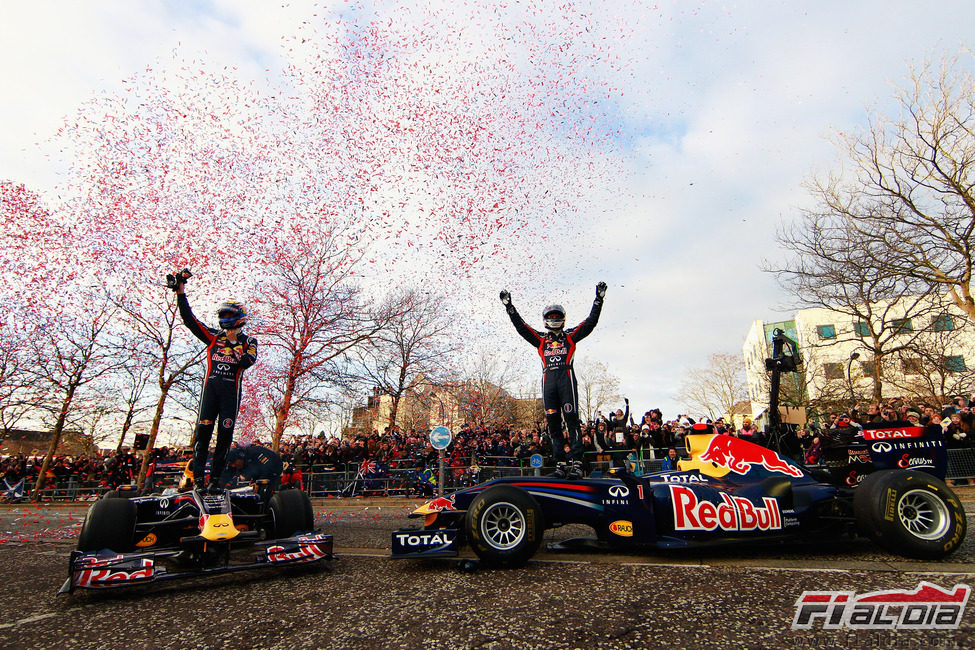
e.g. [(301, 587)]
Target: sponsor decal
[(859, 455), (732, 514), (739, 457), (890, 506), (684, 478), (619, 491), (893, 434), (227, 423), (854, 478), (103, 572), (887, 447), (907, 462), (303, 553), (148, 540), (622, 528), (928, 607), (423, 538)]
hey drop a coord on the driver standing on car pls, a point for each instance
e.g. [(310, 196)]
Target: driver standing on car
[(229, 352), (560, 394)]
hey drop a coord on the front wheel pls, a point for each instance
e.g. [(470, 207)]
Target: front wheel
[(910, 513), (291, 512), (110, 524), (504, 526)]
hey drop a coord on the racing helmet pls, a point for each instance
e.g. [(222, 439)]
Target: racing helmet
[(231, 314), (554, 316)]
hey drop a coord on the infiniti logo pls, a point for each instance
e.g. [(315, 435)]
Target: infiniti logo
[(619, 491), (882, 447)]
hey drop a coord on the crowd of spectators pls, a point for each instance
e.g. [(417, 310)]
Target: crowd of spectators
[(613, 437), (76, 475), (957, 420)]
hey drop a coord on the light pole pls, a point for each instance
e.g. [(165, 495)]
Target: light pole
[(849, 377)]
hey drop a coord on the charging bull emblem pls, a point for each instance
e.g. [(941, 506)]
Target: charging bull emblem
[(739, 456)]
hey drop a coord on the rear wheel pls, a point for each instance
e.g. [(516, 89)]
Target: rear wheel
[(291, 512), (910, 513), (504, 526), (110, 524)]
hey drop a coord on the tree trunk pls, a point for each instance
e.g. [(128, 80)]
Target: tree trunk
[(126, 425), (153, 431), (55, 441)]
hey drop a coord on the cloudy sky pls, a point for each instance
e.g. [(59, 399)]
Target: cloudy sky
[(725, 109)]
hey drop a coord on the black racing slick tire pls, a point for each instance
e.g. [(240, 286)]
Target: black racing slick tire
[(504, 526), (910, 513), (291, 512), (110, 524)]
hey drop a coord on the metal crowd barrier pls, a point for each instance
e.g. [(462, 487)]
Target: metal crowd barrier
[(405, 481)]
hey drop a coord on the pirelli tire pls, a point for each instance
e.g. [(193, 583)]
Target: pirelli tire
[(504, 526), (110, 524), (291, 513), (910, 513)]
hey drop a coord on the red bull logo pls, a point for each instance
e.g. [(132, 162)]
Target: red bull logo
[(732, 514), (105, 572), (739, 456)]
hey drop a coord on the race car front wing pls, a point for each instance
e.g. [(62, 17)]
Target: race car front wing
[(107, 569)]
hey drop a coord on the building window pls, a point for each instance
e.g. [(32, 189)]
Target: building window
[(942, 323), (954, 363), (861, 329), (912, 366), (901, 325), (833, 370), (826, 331), (868, 368)]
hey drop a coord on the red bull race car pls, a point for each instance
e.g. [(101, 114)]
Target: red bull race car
[(132, 540), (885, 484)]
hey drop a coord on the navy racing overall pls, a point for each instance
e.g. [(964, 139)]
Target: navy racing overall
[(226, 362), (560, 392)]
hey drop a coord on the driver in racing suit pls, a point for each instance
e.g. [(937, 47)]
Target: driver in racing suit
[(560, 394), (229, 352)]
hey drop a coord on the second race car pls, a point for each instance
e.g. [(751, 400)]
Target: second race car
[(886, 484)]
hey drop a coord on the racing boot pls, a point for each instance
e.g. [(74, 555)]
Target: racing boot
[(574, 471), (561, 470)]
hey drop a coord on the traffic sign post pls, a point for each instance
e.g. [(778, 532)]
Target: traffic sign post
[(536, 462), (440, 438)]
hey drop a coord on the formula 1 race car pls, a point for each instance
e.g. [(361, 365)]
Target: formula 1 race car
[(885, 484), (128, 539)]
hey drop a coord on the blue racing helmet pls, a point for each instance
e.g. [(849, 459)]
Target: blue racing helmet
[(232, 314)]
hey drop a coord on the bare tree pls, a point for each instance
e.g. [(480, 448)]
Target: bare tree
[(715, 389), (934, 366), (484, 392), (312, 316), (598, 388), (67, 354), (411, 353), (825, 269), (171, 359), (911, 194)]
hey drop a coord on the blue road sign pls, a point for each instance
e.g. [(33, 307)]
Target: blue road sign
[(440, 438), (537, 460)]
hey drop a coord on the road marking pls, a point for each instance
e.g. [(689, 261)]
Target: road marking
[(667, 564), (25, 621), (939, 573), (796, 568)]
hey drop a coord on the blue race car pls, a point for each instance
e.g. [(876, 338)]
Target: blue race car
[(885, 483)]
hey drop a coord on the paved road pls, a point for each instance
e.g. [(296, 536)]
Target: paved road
[(363, 600)]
